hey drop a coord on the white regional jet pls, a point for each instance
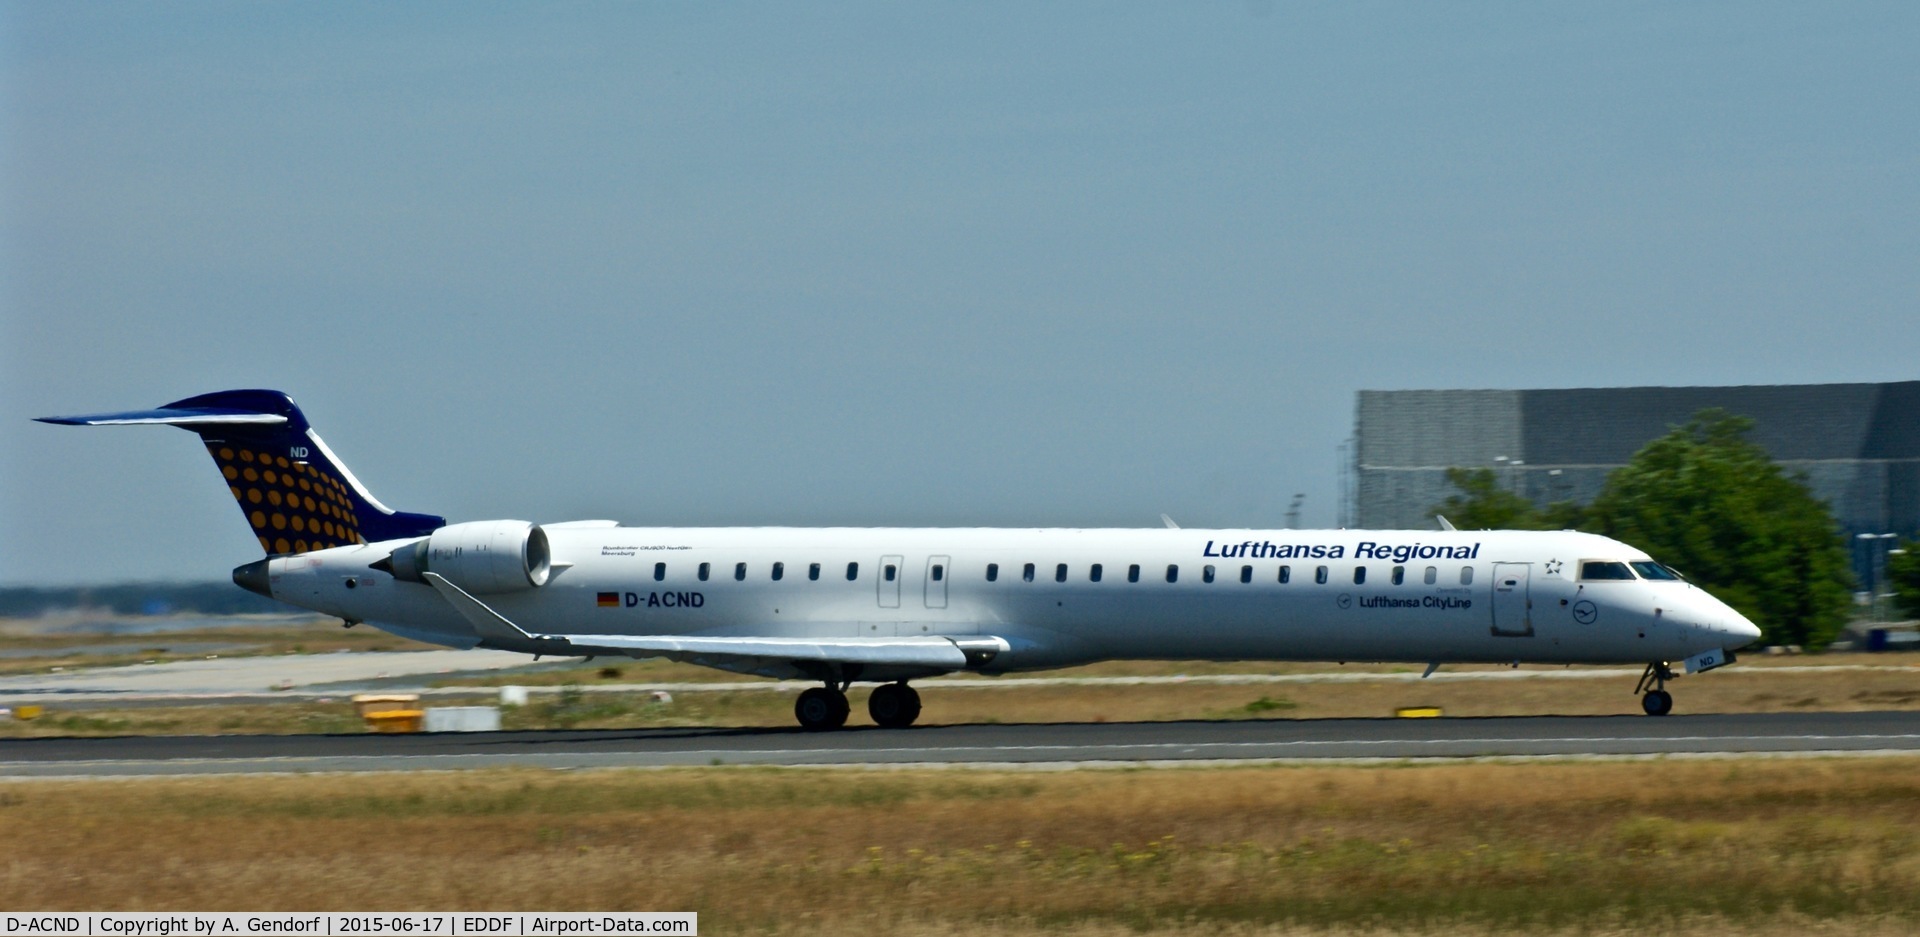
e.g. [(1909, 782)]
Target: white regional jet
[(889, 605)]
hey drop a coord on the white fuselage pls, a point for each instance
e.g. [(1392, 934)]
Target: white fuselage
[(1414, 596)]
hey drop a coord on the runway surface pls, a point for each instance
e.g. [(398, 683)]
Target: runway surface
[(221, 677), (1029, 745)]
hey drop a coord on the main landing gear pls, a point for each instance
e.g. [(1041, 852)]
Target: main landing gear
[(823, 707), (1655, 701), (892, 705)]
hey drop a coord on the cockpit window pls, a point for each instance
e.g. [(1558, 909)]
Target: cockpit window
[(1604, 569), (1648, 569)]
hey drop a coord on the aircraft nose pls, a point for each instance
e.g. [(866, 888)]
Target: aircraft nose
[(1734, 628), (1721, 623)]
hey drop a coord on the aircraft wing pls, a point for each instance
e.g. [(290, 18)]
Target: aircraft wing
[(931, 652), (769, 655)]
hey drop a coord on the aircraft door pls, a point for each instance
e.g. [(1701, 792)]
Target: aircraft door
[(888, 581), (936, 582), (1512, 601)]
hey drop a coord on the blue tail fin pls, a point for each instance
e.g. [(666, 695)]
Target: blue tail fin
[(293, 491)]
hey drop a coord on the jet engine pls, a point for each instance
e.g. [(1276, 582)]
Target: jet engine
[(479, 556)]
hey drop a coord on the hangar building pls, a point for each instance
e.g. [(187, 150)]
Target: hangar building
[(1857, 444)]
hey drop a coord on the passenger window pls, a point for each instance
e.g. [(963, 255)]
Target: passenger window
[(1173, 573), (813, 571), (1060, 573), (1286, 574), (1320, 575), (1399, 575), (939, 572), (659, 571), (993, 572), (891, 572), (705, 568), (1133, 573), (779, 570), (1026, 573), (1604, 569), (853, 571), (740, 572), (1466, 575), (1093, 573), (1246, 574), (1206, 574), (1433, 575), (1359, 575)]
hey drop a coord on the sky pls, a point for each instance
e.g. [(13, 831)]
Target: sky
[(1007, 264)]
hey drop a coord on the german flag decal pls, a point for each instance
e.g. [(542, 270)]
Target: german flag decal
[(608, 600)]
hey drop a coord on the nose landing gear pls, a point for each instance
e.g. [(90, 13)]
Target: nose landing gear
[(1655, 701)]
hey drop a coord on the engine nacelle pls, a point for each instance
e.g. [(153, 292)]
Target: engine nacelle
[(480, 556)]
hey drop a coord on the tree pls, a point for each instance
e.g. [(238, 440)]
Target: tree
[(1483, 504), (1903, 574), (1710, 503)]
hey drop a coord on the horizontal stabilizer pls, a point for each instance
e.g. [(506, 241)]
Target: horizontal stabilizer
[(169, 416)]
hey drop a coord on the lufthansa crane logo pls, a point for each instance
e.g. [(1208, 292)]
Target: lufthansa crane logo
[(1585, 612), (1344, 601)]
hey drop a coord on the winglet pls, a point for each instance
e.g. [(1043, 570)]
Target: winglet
[(491, 624)]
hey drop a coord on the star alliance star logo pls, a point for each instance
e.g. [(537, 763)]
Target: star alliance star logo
[(1553, 567)]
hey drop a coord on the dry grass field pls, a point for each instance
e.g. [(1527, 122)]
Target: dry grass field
[(1686, 847), (40, 647), (1734, 689)]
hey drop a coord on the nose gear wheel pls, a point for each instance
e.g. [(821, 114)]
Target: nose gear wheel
[(1654, 698)]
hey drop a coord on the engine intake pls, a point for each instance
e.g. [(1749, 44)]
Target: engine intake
[(480, 557)]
